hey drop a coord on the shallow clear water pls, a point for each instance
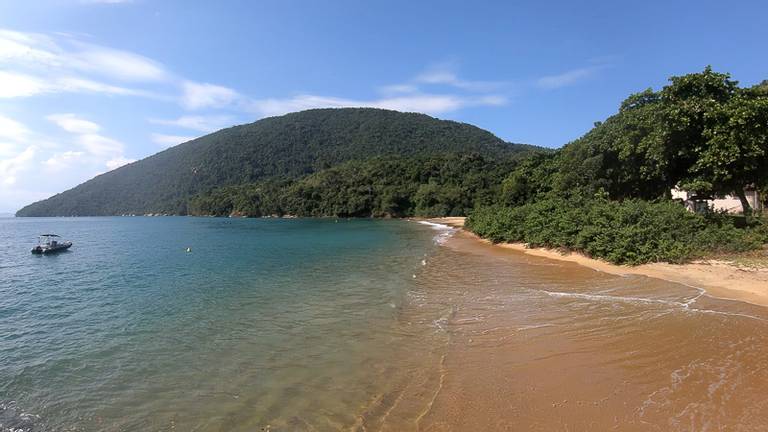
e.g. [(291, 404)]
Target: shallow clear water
[(286, 324), (318, 325)]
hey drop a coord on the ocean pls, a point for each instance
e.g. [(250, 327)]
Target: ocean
[(217, 324), (263, 324)]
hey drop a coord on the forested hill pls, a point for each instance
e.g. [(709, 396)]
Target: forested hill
[(283, 148)]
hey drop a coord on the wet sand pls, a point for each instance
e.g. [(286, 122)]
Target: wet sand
[(718, 278), (540, 345)]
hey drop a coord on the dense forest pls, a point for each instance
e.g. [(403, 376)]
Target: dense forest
[(607, 194), (702, 132), (437, 185), (270, 153)]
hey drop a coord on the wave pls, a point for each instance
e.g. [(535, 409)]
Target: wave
[(446, 231), (685, 305), (434, 225)]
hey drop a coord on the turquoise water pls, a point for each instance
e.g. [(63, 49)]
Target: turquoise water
[(278, 324)]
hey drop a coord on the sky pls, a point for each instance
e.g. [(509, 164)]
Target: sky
[(89, 85)]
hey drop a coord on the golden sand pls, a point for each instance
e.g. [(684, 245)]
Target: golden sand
[(720, 279), (536, 344)]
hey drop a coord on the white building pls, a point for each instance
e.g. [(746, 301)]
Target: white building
[(729, 203)]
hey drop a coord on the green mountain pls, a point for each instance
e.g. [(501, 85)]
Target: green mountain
[(281, 152)]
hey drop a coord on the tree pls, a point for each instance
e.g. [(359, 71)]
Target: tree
[(736, 152), (701, 132)]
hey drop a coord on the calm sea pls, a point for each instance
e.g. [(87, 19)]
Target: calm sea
[(318, 325), (263, 324)]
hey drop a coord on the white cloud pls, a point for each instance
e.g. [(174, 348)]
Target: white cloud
[(444, 75), (13, 130), (35, 64), (170, 140), (198, 123), (117, 162), (425, 103), (99, 145), (20, 85), (567, 78), (203, 95), (72, 123), (399, 89), (63, 160), (114, 63), (13, 85), (54, 55), (11, 167), (71, 84), (96, 147), (27, 48)]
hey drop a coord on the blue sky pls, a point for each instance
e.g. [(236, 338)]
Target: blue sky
[(88, 85)]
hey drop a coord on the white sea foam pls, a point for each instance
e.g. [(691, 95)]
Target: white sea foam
[(638, 300), (445, 231), (610, 298), (535, 326), (436, 226)]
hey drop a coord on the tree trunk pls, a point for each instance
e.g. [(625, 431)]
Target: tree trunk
[(745, 207)]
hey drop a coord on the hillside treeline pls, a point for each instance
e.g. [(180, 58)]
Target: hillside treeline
[(607, 194)]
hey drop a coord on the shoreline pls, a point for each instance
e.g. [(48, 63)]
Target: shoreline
[(718, 279)]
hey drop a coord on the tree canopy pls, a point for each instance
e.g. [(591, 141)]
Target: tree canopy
[(701, 132)]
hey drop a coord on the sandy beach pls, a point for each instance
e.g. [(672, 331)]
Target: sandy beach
[(718, 278), (543, 344)]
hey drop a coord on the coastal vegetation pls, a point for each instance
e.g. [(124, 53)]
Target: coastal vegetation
[(439, 185), (630, 231), (607, 194), (262, 159)]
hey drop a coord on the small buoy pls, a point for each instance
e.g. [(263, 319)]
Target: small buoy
[(189, 249)]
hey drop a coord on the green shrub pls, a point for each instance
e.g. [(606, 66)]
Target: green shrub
[(627, 232)]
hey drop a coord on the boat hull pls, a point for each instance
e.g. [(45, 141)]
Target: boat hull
[(45, 250)]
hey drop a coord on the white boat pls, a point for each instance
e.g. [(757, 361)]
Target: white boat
[(49, 243)]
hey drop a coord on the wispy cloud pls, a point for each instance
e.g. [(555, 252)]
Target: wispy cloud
[(200, 123), (112, 63), (118, 161), (438, 90), (446, 76), (166, 141), (203, 95), (16, 151), (98, 147), (11, 167), (12, 130), (37, 64), (568, 78), (63, 160), (424, 103), (395, 89), (73, 124), (16, 85), (53, 55)]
